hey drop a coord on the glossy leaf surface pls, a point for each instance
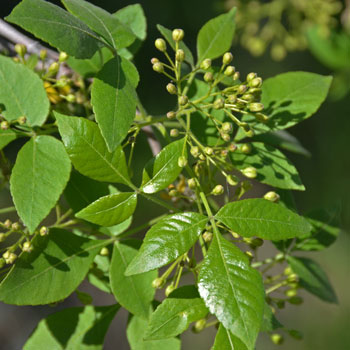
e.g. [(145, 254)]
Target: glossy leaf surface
[(225, 340)]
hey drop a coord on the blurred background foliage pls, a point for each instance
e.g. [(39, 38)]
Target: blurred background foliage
[(272, 37)]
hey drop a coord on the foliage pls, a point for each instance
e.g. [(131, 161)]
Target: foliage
[(224, 135)]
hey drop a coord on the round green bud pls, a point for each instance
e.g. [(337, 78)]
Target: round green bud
[(43, 54), (288, 271), (192, 183), (171, 88), (180, 55), (154, 60), (225, 137), (206, 64), (272, 196), (227, 58), (219, 103), (257, 242), (291, 293), (293, 278), (160, 44), (229, 71), (171, 115), (236, 76), (232, 180), (63, 57), (250, 172), (16, 59), (256, 82), (12, 258), (2, 237), (22, 120), (4, 125), (256, 46), (278, 52), (296, 300), (173, 193), (27, 247), (15, 226), (182, 161), (295, 334), (208, 77), (208, 150), (232, 98), (183, 100), (249, 132), (218, 190), (7, 223), (246, 148), (195, 151), (207, 236), (158, 283), (158, 67), (227, 127), (21, 49), (199, 325), (223, 153), (232, 147), (280, 257), (256, 107), (43, 231), (261, 117), (178, 34), (174, 133), (53, 68), (104, 251), (242, 89), (71, 98), (276, 339), (248, 97), (251, 76), (169, 289)]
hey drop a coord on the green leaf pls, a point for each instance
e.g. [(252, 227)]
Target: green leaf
[(313, 278), (52, 271), (262, 218), (82, 328), (38, 178), (134, 293), (6, 136), (167, 240), (22, 93), (136, 331), (232, 290), (99, 273), (173, 316), (272, 166), (163, 169), (110, 210), (225, 340), (270, 322), (113, 99), (167, 33), (88, 151), (102, 22), (215, 37), (57, 27)]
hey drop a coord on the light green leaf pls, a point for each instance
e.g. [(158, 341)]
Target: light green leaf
[(272, 166), (88, 151), (110, 210), (216, 36), (232, 290), (134, 293), (52, 271), (225, 340), (163, 169), (173, 316), (167, 33), (102, 22), (57, 27), (113, 99), (38, 178), (167, 240), (270, 322), (313, 278), (82, 328), (6, 136), (136, 331), (262, 218), (22, 93)]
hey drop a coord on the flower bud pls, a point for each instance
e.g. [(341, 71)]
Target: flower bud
[(227, 127), (207, 236), (219, 103), (218, 190), (291, 293), (21, 49), (171, 115), (208, 77), (232, 98), (288, 271), (236, 76), (250, 172), (242, 89), (2, 263), (227, 58), (257, 242), (180, 55), (248, 97), (173, 193), (195, 151), (225, 137), (71, 98), (174, 133), (232, 147), (15, 226), (256, 107), (160, 44), (171, 88), (251, 76), (278, 52), (249, 254), (256, 82), (183, 100), (63, 57), (199, 325), (202, 156), (232, 180), (192, 183), (272, 196), (27, 247), (104, 251), (53, 68), (158, 67), (2, 237), (276, 339), (178, 34), (246, 148), (22, 120), (158, 283), (43, 54), (229, 71), (7, 223), (154, 60), (206, 64), (182, 161), (208, 150), (43, 231), (261, 117), (169, 289), (293, 278), (4, 125)]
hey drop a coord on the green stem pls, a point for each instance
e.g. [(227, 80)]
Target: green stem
[(7, 210)]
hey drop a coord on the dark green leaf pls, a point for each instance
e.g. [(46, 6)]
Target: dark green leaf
[(225, 340), (167, 33), (167, 240), (136, 331), (110, 210), (134, 293), (216, 36), (173, 316), (269, 322), (88, 151), (113, 99), (6, 136), (38, 178), (232, 290), (262, 218), (22, 93), (57, 27), (272, 166), (163, 169), (52, 271), (82, 328), (313, 278)]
